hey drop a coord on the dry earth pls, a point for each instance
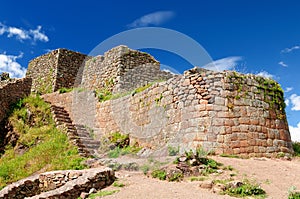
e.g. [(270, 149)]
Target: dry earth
[(275, 176)]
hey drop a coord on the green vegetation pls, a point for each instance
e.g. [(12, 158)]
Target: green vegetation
[(119, 144), (142, 88), (229, 156), (175, 177), (197, 178), (245, 189), (293, 194), (43, 145), (160, 174), (116, 152), (102, 193), (65, 90), (173, 151), (118, 184), (296, 147)]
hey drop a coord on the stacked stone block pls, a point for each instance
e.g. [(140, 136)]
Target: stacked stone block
[(55, 70)]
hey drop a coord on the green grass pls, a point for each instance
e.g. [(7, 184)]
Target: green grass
[(229, 156), (118, 184), (102, 194), (65, 90), (47, 147), (197, 178), (117, 152)]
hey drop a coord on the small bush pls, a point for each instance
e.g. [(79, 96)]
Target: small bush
[(118, 184), (296, 147), (160, 174), (246, 189), (293, 194), (175, 177), (173, 151)]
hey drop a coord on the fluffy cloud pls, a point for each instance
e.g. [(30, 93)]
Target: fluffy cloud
[(155, 18), (8, 63), (295, 133), (21, 34), (288, 50), (228, 63), (282, 64), (265, 74), (295, 100)]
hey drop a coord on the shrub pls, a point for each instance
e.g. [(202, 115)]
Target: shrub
[(160, 174), (173, 151), (296, 147), (245, 189)]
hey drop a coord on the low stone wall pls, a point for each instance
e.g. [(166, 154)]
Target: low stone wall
[(59, 184), (12, 91)]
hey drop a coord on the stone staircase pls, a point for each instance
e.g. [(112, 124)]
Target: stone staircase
[(78, 134)]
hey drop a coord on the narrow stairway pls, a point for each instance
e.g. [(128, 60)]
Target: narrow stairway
[(79, 135)]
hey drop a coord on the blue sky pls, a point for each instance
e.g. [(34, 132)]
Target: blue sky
[(261, 37)]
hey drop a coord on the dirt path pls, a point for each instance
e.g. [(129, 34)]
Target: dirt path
[(275, 177)]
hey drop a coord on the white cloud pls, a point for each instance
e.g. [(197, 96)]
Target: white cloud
[(8, 63), (288, 89), (265, 74), (38, 35), (287, 102), (295, 133), (282, 64), (288, 50), (295, 100), (228, 63), (21, 34), (155, 18)]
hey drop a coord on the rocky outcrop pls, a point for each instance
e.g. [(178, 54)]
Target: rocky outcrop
[(59, 184)]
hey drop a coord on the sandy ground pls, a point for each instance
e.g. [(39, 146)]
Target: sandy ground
[(275, 177)]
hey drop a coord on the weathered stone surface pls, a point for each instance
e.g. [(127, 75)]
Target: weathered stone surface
[(220, 111), (59, 184)]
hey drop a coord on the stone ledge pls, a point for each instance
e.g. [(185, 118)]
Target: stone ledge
[(59, 184)]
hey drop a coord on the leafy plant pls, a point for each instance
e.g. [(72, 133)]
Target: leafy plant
[(245, 189), (173, 151), (293, 194), (296, 147), (160, 174), (65, 90), (118, 184), (175, 177)]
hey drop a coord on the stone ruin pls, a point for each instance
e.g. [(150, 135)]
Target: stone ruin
[(225, 112)]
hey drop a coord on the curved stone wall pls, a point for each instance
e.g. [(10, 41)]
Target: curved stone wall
[(227, 112)]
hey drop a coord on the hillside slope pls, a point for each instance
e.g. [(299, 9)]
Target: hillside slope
[(33, 143)]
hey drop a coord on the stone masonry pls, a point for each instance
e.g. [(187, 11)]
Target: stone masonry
[(59, 184), (55, 70), (226, 112), (122, 69), (10, 92)]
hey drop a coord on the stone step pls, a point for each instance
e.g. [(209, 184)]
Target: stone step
[(89, 141)]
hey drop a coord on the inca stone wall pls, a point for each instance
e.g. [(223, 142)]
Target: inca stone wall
[(11, 91), (226, 112), (55, 70), (121, 69), (59, 184)]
